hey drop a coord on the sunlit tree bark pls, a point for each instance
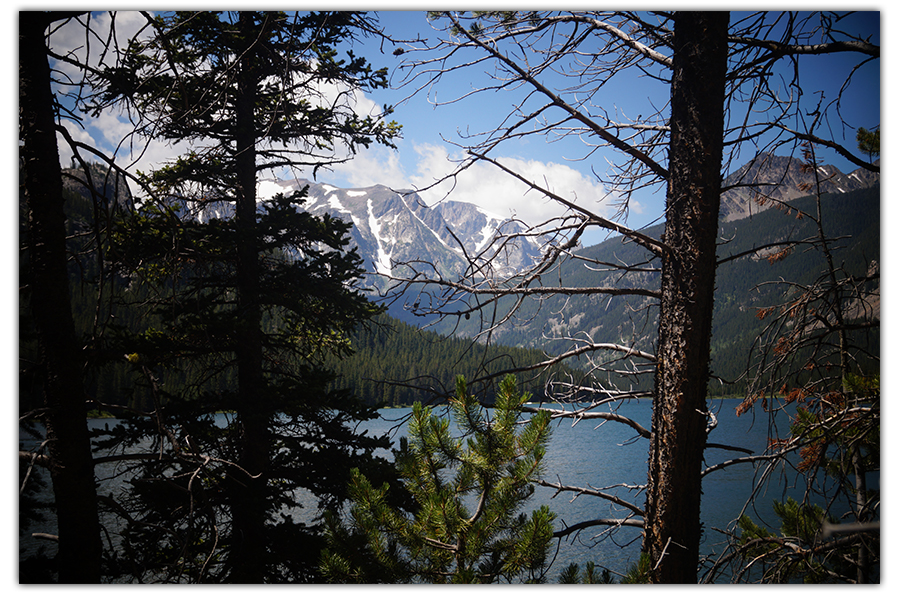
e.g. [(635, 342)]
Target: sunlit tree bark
[(671, 526), (732, 82)]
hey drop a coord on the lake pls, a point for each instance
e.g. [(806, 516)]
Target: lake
[(598, 454)]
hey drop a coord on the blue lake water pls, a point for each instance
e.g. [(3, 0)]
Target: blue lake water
[(610, 455)]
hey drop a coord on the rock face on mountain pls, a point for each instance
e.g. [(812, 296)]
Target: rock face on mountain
[(396, 233), (768, 180), (111, 186)]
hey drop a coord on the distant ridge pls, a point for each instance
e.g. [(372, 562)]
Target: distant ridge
[(769, 179), (393, 226)]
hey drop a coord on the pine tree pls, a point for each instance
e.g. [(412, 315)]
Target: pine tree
[(469, 487), (247, 307), (814, 355), (869, 142), (68, 454)]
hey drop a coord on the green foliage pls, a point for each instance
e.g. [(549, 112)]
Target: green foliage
[(638, 573), (198, 98), (397, 364), (572, 575), (468, 487), (789, 555), (742, 285), (841, 430), (840, 433), (186, 363), (241, 302), (869, 142)]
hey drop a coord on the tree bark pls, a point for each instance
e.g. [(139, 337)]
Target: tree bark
[(69, 449), (249, 511), (673, 529)]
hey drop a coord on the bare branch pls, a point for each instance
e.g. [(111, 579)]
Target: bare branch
[(598, 523), (592, 492), (558, 101), (646, 241)]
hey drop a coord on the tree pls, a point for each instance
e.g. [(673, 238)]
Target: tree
[(816, 354), (244, 308), (68, 454), (671, 526), (563, 64), (869, 142), (486, 463)]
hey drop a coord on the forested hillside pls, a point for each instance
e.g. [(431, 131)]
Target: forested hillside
[(395, 363), (237, 329), (746, 286), (743, 285)]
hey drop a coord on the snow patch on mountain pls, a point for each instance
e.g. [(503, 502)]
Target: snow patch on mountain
[(391, 226), (383, 258), (489, 230), (267, 189), (427, 226), (335, 203)]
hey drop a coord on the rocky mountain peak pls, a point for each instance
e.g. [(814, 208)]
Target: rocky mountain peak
[(398, 234), (769, 179)]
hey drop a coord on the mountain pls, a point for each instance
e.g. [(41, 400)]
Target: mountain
[(769, 179), (743, 285), (389, 351), (391, 226), (112, 186)]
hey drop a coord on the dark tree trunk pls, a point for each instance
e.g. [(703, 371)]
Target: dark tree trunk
[(69, 450), (250, 509), (672, 525)]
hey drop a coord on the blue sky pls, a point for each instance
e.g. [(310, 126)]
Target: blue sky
[(424, 154), (430, 130)]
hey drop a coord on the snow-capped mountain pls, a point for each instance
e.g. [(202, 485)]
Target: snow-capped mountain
[(392, 228), (398, 235), (782, 179)]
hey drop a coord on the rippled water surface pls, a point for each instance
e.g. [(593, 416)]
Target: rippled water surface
[(610, 455)]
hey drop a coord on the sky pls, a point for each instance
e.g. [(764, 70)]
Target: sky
[(423, 153), (427, 152)]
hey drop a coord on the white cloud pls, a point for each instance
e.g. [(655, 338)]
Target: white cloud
[(416, 167), (112, 132), (74, 40), (496, 191), (377, 165)]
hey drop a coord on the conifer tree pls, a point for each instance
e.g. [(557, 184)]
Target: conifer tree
[(869, 142), (469, 485), (813, 363), (250, 297), (68, 455)]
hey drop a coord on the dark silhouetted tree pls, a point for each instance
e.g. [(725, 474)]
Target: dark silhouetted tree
[(247, 297)]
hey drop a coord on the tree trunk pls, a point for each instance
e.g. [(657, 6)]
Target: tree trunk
[(69, 449), (672, 526), (250, 509)]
